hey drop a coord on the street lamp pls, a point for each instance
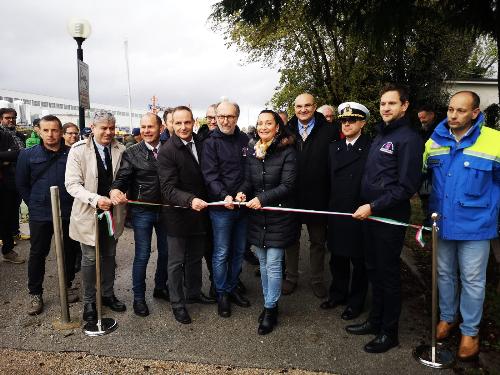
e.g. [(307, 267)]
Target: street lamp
[(80, 30)]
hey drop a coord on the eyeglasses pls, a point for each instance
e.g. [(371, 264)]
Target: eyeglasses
[(349, 120), (210, 118), (225, 117)]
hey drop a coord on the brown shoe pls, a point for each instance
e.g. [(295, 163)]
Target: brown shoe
[(469, 348), (319, 290), (443, 329), (288, 287), (13, 257), (35, 306)]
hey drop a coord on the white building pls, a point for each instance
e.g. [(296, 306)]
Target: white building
[(31, 106), (487, 89)]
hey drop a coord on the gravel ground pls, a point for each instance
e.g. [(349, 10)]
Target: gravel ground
[(307, 337)]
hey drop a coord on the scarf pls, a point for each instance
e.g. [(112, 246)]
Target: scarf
[(261, 148), (19, 145)]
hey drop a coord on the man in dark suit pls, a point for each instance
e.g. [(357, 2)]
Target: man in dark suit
[(182, 185), (313, 136), (346, 161)]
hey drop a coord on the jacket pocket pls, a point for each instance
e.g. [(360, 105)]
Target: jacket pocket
[(479, 177)]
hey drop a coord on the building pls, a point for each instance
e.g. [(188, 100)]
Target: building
[(31, 106), (486, 88)]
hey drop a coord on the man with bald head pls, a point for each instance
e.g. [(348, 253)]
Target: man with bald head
[(313, 137), (462, 158), (138, 178)]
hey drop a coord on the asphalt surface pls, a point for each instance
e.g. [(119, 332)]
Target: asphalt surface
[(306, 338)]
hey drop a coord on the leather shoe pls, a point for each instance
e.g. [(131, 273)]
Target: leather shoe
[(113, 303), (288, 287), (140, 308), (365, 328), (443, 329), (162, 294), (224, 306), (201, 299), (331, 304), (90, 313), (350, 314), (319, 290), (381, 344), (238, 299), (181, 315), (469, 348)]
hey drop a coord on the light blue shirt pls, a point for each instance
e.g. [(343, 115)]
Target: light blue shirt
[(100, 149), (309, 127)]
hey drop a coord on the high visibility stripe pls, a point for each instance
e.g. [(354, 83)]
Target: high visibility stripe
[(481, 155)]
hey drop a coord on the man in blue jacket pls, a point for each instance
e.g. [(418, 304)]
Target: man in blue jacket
[(39, 168), (391, 177), (223, 168), (463, 159)]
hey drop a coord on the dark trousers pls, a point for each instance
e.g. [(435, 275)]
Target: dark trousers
[(184, 267), (7, 204), (384, 243), (340, 267), (14, 220), (209, 251), (41, 238)]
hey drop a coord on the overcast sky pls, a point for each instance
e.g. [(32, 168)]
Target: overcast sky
[(173, 54)]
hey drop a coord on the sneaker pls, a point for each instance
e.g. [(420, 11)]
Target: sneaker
[(13, 257), (36, 304), (72, 295), (22, 236)]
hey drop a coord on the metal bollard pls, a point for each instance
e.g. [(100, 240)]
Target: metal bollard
[(434, 356), (65, 321), (104, 325)]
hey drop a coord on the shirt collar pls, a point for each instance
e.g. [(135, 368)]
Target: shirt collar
[(310, 124), (353, 141), (101, 147), (186, 142), (151, 147)]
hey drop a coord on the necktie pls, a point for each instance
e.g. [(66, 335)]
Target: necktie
[(349, 147), (155, 153), (107, 159), (192, 149), (304, 132)]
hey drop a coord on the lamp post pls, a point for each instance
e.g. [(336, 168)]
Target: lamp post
[(80, 30)]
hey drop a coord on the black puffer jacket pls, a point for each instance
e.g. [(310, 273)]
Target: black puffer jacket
[(138, 175), (272, 180)]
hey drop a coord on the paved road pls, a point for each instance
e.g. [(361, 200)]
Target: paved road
[(306, 338)]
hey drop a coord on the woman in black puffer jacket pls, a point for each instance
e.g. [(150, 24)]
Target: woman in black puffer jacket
[(270, 181)]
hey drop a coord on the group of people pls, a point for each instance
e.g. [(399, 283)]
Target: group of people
[(212, 193)]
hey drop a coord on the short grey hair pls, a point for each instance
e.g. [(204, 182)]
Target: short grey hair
[(233, 103), (104, 116), (325, 106)]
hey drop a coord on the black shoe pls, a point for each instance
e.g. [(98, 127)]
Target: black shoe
[(201, 299), (261, 316), (238, 299), (162, 294), (269, 320), (240, 287), (365, 328), (140, 308), (381, 344), (224, 306), (350, 313), (250, 258), (181, 315), (211, 292), (90, 313), (113, 303), (331, 304)]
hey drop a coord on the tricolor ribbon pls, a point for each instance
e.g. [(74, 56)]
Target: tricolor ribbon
[(109, 221), (418, 237)]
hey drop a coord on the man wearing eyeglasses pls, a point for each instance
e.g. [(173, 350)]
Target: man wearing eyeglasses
[(91, 168), (347, 159), (313, 136), (223, 167)]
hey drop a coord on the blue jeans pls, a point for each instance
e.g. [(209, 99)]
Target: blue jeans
[(471, 258), (143, 222), (230, 236), (270, 261)]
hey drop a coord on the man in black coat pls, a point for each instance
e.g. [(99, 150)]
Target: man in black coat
[(313, 136), (182, 185), (138, 178), (391, 177), (346, 161)]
